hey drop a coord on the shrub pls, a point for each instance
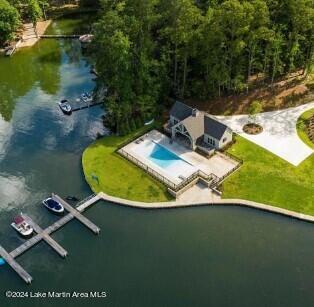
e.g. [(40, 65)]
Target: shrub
[(9, 21)]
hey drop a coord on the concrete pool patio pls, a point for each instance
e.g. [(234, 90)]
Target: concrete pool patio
[(279, 134), (219, 164)]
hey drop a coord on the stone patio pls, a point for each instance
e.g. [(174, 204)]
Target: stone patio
[(219, 164)]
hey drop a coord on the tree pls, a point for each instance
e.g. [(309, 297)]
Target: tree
[(34, 11), (125, 59), (254, 108), (183, 21), (146, 50), (9, 21)]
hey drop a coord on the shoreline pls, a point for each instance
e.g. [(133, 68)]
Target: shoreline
[(41, 28), (222, 202)]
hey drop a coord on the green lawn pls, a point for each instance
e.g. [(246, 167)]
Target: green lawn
[(268, 179), (117, 176), (301, 127)]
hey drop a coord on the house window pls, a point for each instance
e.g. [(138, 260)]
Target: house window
[(224, 140), (213, 142)]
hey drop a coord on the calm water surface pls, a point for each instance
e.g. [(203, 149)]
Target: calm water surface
[(213, 256)]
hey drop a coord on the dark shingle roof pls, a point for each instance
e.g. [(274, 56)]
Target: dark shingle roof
[(181, 111), (213, 127)]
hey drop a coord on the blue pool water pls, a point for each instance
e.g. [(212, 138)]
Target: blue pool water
[(165, 159)]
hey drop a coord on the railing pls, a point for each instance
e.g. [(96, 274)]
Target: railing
[(230, 155), (163, 179), (134, 137), (85, 200), (216, 181), (147, 169)]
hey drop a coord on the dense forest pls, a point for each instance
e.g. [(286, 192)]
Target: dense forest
[(14, 12), (147, 50)]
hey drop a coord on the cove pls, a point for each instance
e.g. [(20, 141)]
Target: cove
[(204, 256)]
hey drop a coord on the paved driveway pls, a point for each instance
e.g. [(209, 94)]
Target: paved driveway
[(279, 135)]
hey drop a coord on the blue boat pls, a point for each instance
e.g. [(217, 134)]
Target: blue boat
[(53, 205)]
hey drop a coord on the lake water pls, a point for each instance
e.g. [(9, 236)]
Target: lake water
[(209, 256)]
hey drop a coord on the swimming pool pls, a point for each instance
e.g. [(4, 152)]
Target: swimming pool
[(165, 159)]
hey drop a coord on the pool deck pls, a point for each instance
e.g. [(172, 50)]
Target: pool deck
[(218, 164)]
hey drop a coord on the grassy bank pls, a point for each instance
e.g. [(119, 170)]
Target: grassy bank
[(117, 176), (301, 127), (268, 179)]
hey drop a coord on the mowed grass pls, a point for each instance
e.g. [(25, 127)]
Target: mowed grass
[(301, 127), (117, 176), (268, 179)]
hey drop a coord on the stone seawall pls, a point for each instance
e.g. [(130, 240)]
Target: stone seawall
[(223, 202)]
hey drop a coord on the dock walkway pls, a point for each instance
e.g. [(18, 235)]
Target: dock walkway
[(75, 213), (59, 36), (44, 234), (46, 237), (15, 265), (81, 105)]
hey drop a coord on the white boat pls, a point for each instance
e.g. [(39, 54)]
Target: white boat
[(21, 226), (86, 39), (9, 50), (65, 106), (87, 97), (53, 205)]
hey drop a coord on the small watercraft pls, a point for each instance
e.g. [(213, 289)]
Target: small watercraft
[(22, 227), (87, 97), (9, 50), (86, 39), (65, 106), (53, 205)]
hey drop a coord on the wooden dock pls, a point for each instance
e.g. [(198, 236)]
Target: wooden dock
[(15, 266), (75, 213), (46, 237), (81, 105), (44, 234), (60, 36)]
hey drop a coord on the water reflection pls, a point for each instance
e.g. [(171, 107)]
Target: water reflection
[(40, 147), (39, 65), (13, 191)]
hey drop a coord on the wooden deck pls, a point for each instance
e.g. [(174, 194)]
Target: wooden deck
[(44, 234)]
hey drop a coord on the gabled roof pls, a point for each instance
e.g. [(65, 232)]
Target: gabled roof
[(181, 111), (198, 123), (194, 125), (213, 127)]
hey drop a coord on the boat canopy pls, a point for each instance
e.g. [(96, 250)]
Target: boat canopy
[(18, 220)]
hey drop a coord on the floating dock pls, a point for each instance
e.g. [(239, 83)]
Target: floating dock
[(44, 234)]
